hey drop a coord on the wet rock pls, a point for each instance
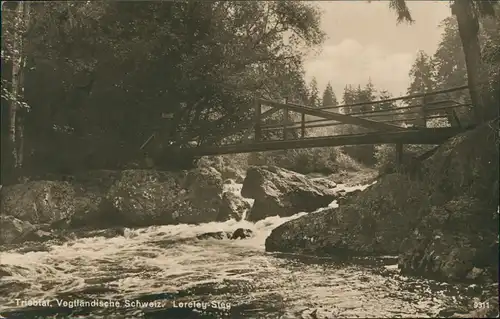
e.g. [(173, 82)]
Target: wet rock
[(475, 273), (372, 223), (232, 173), (215, 235), (141, 198), (324, 183), (227, 166), (5, 273), (232, 207), (38, 236), (240, 179), (107, 199), (284, 193), (38, 201), (451, 312), (346, 196), (106, 233), (242, 233), (450, 242), (13, 229)]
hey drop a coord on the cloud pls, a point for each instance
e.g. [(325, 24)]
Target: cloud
[(350, 62)]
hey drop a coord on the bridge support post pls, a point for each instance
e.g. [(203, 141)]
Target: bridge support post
[(303, 125), (424, 111), (285, 121), (399, 154), (257, 116)]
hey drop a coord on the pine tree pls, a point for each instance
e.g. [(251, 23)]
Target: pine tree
[(329, 98), (422, 76), (314, 100), (348, 97), (367, 94), (386, 106)]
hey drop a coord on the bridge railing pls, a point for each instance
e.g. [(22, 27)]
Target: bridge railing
[(417, 114), (299, 121)]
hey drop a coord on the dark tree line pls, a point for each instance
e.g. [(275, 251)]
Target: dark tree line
[(84, 84)]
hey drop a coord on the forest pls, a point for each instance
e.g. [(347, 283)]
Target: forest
[(84, 84)]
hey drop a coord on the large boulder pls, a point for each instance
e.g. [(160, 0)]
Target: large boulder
[(12, 229), (232, 207), (148, 197), (374, 221), (240, 233), (455, 241), (56, 201), (277, 191), (458, 237), (230, 167), (214, 235), (202, 199), (39, 201), (130, 198)]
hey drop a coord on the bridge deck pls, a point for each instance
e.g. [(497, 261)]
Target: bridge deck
[(410, 136)]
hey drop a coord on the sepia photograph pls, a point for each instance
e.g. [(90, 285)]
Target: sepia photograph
[(280, 159)]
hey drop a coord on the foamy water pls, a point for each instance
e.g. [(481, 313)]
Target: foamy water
[(169, 259)]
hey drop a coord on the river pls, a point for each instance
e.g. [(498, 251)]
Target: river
[(165, 272)]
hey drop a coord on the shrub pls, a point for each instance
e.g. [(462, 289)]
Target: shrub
[(324, 160), (364, 154), (385, 155)]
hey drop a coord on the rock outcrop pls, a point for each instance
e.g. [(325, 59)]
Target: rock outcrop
[(457, 238), (232, 207), (214, 235), (105, 199), (12, 229), (240, 233), (373, 222), (39, 201), (443, 221), (281, 192)]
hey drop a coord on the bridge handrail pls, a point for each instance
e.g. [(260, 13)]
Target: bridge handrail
[(395, 111), (273, 127), (406, 97)]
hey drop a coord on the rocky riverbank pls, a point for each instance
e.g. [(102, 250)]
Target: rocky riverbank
[(442, 219), (108, 199), (111, 201)]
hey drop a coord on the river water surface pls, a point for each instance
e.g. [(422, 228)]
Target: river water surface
[(191, 278)]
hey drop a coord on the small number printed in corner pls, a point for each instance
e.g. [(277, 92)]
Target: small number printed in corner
[(481, 305)]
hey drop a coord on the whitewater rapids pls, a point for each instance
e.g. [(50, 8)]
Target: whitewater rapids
[(168, 265)]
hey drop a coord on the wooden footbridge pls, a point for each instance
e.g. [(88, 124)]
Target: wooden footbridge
[(362, 123)]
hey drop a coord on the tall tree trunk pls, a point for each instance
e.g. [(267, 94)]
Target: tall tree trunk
[(468, 27), (14, 103), (22, 74), (16, 126)]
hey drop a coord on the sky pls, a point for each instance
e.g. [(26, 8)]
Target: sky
[(364, 41)]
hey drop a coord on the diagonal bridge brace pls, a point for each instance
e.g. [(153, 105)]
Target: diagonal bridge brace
[(346, 119), (276, 106)]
